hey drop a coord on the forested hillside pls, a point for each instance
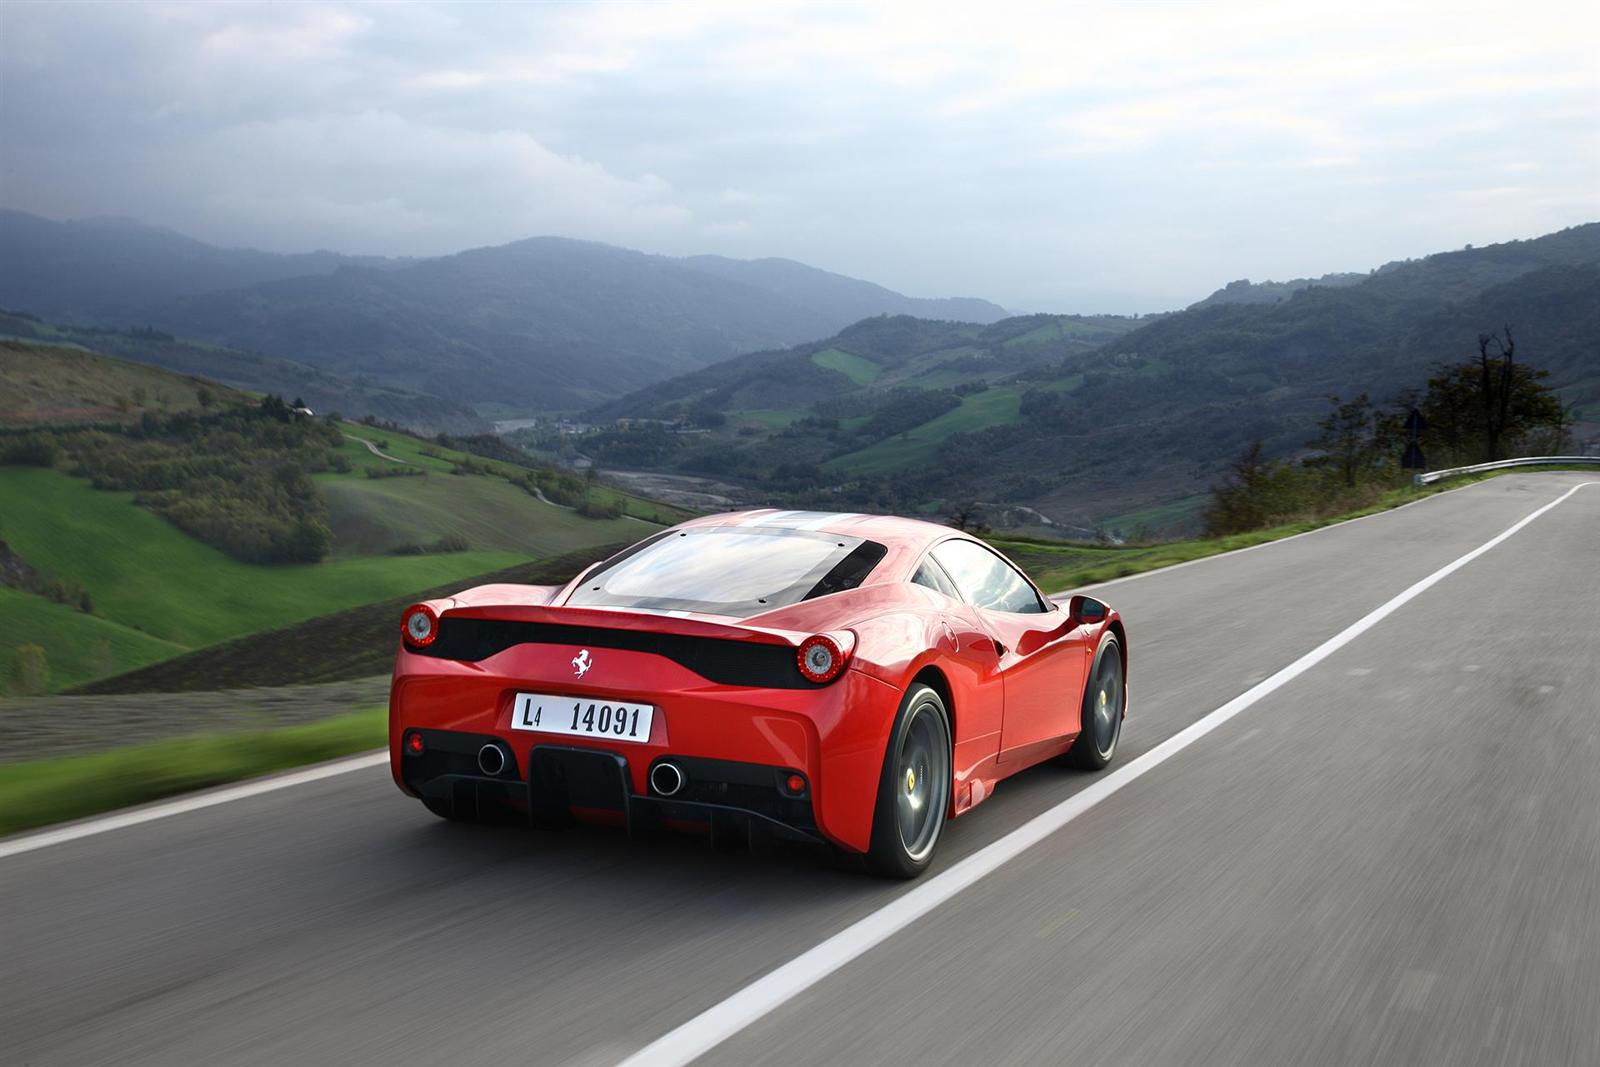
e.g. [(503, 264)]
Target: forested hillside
[(540, 324), (895, 414)]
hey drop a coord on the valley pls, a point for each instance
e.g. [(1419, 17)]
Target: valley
[(1112, 424)]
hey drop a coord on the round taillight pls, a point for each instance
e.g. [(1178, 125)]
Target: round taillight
[(820, 659), (419, 625)]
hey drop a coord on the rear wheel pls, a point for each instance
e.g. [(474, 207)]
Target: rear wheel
[(913, 789), (1104, 701)]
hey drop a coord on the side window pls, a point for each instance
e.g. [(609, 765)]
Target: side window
[(987, 580), (932, 575)]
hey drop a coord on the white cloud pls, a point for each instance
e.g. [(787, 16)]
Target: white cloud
[(408, 182), (1128, 156)]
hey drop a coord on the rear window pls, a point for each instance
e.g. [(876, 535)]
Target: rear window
[(729, 570)]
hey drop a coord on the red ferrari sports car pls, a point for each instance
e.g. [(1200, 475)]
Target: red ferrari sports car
[(850, 679)]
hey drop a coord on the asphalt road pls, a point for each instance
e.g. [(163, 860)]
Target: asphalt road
[(1394, 858)]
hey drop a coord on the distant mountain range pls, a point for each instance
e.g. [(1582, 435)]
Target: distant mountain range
[(541, 324), (1092, 419)]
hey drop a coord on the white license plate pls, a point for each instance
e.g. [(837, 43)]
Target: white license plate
[(613, 720)]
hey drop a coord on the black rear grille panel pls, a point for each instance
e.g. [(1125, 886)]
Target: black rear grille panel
[(744, 663), (748, 786)]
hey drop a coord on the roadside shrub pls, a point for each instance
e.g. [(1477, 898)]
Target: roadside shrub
[(593, 509)]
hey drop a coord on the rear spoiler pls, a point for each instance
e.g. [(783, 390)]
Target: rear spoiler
[(466, 606)]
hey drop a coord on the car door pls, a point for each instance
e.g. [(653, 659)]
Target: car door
[(1041, 652)]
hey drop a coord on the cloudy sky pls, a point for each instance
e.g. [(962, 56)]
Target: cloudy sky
[(1127, 157)]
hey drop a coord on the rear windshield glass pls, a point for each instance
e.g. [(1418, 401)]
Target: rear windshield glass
[(729, 570)]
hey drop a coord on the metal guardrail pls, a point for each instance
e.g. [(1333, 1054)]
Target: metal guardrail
[(1531, 461)]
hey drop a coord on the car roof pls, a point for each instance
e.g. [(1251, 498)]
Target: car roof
[(885, 529)]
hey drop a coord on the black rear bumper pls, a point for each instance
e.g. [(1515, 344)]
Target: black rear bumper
[(735, 802)]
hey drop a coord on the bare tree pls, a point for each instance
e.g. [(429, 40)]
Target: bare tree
[(1348, 437), (1496, 376)]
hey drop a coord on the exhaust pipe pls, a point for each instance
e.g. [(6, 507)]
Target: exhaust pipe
[(667, 779), (491, 760)]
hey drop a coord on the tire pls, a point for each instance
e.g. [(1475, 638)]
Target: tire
[(913, 789), (1105, 699)]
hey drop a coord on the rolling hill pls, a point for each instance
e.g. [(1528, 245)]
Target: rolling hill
[(545, 323), (251, 371), (105, 584), (871, 359), (1088, 420)]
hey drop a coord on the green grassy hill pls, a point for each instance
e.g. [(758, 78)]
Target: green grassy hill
[(156, 591), (105, 584), (77, 646), (241, 370), (49, 384), (354, 643), (920, 444)]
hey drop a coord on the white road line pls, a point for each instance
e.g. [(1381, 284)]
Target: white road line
[(720, 1022), (121, 820), (125, 819)]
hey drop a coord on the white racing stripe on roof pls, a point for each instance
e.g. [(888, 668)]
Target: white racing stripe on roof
[(762, 518), (826, 519), (799, 520)]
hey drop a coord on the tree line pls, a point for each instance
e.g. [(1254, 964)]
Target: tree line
[(1483, 409)]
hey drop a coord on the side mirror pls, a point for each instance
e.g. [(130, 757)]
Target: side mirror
[(1085, 610)]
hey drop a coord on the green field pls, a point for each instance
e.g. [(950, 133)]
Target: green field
[(858, 370), (1179, 515), (1055, 331), (992, 407), (354, 643), (768, 418), (78, 646), (435, 458), (170, 589), (373, 515)]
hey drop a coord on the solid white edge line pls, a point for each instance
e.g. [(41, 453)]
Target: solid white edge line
[(716, 1024), (124, 819), (134, 817)]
